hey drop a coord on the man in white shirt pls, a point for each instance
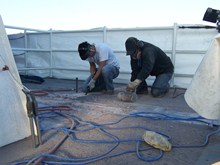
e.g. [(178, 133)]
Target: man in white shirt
[(104, 67)]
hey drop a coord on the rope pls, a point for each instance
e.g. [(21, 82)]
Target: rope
[(115, 141)]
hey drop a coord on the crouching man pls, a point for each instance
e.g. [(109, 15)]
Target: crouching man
[(104, 67), (147, 59)]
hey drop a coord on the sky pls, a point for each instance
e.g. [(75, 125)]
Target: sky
[(88, 14)]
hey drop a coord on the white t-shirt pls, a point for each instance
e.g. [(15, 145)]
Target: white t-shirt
[(104, 53)]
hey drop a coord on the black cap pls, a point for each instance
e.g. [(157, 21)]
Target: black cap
[(83, 50), (131, 45)]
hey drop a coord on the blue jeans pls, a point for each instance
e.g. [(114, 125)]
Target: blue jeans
[(105, 80), (161, 84)]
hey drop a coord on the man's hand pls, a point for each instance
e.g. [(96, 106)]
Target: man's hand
[(91, 84), (133, 85)]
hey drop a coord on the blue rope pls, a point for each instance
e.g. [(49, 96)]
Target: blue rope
[(83, 126), (147, 159)]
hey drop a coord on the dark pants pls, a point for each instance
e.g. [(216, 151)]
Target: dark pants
[(161, 85), (142, 88), (105, 80)]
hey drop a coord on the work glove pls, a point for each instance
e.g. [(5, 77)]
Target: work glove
[(133, 85), (91, 84)]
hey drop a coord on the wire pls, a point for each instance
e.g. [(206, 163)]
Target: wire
[(201, 145), (49, 108), (83, 126), (39, 160), (147, 159)]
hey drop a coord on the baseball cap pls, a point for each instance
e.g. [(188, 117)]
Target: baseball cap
[(131, 45)]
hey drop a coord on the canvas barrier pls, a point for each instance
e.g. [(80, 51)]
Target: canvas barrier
[(14, 123), (203, 94)]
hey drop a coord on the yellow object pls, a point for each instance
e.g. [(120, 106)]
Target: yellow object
[(156, 140)]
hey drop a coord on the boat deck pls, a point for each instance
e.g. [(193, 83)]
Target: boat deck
[(108, 131)]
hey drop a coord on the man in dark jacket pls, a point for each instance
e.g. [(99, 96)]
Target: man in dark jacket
[(146, 60)]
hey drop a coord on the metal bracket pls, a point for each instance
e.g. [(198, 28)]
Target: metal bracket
[(32, 112)]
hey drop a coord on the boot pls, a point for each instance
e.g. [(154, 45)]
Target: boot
[(142, 88)]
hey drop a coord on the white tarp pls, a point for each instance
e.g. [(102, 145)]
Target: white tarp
[(54, 54), (14, 124), (203, 94)]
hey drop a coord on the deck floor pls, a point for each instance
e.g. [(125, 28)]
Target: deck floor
[(146, 113)]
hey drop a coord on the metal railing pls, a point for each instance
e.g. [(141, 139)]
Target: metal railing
[(173, 52)]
